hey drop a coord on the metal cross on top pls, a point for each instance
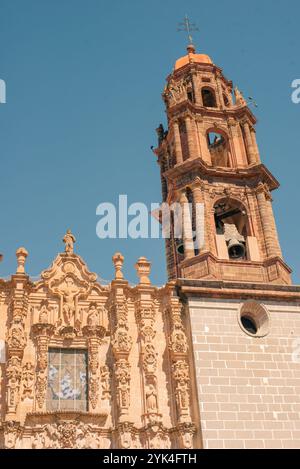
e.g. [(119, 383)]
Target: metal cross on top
[(188, 27)]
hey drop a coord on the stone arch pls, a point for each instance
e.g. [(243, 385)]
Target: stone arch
[(219, 146), (232, 222), (209, 97)]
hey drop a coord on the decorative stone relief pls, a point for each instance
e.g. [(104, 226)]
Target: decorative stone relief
[(28, 381), (11, 434), (13, 374)]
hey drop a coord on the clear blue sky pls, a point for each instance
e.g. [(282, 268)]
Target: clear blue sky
[(84, 82)]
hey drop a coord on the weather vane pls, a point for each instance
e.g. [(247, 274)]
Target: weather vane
[(188, 27)]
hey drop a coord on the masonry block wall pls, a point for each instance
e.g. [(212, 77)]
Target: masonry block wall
[(248, 387)]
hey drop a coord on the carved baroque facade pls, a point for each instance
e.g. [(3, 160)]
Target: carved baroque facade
[(137, 357)]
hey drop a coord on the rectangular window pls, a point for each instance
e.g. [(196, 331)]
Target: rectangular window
[(67, 380)]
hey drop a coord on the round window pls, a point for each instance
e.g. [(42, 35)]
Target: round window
[(254, 319)]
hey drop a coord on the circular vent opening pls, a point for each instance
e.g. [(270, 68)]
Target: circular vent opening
[(254, 319)]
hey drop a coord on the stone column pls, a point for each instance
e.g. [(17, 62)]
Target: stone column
[(200, 216), (196, 139), (187, 230), (249, 144), (177, 143), (16, 337), (204, 151), (254, 141), (42, 334), (196, 89), (268, 223), (190, 137)]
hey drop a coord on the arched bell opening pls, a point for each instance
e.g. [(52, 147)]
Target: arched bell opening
[(219, 148), (209, 97), (232, 228)]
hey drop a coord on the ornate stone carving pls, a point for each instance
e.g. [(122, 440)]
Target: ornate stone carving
[(28, 381), (176, 91), (121, 342), (13, 374), (186, 435), (11, 434), (181, 376), (125, 430), (122, 375), (16, 336), (94, 381), (158, 437), (43, 333), (44, 312), (178, 341), (105, 382), (69, 280), (149, 359)]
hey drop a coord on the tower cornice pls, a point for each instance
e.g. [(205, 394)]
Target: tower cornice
[(258, 172), (236, 112)]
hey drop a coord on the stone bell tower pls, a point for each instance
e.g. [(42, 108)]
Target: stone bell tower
[(209, 156)]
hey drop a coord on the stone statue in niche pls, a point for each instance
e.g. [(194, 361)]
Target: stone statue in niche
[(16, 335), (44, 312), (93, 316), (151, 399)]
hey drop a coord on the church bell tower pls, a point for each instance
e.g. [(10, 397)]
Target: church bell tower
[(209, 157)]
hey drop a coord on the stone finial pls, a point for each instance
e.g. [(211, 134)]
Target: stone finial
[(21, 254), (239, 98), (69, 240), (118, 261), (143, 268)]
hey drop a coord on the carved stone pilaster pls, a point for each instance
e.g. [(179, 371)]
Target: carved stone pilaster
[(13, 376), (105, 378), (94, 335), (41, 334), (94, 371), (181, 376), (122, 381), (28, 381), (178, 349), (121, 346), (146, 314)]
